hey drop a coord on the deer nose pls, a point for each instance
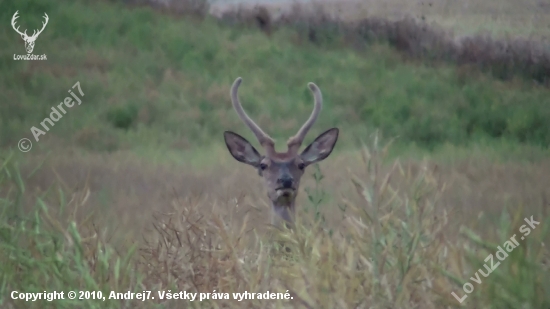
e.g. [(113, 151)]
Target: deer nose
[(285, 182)]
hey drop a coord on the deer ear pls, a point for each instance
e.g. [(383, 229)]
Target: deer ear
[(321, 147), (241, 149)]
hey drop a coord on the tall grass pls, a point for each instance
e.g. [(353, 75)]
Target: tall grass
[(389, 234), (394, 249)]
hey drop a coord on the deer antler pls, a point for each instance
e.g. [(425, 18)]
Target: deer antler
[(43, 26), (265, 140), (34, 34), (13, 24), (295, 142)]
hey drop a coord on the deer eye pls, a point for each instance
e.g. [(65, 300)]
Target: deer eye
[(263, 166), (301, 166)]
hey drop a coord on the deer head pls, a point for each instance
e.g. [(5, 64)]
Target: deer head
[(281, 171), (29, 40)]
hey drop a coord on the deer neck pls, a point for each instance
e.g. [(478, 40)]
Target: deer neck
[(283, 210)]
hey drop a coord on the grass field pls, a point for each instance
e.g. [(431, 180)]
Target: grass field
[(505, 18), (134, 190)]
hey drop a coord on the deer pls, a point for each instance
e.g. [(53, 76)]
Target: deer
[(29, 40), (281, 171)]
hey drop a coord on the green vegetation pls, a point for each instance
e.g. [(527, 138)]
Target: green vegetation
[(104, 203), (151, 80)]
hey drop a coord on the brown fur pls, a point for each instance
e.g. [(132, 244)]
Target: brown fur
[(281, 171)]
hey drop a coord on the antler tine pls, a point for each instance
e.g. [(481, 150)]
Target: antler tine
[(15, 16), (46, 18), (265, 140), (43, 25), (296, 141)]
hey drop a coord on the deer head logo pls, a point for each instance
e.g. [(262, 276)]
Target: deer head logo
[(29, 40)]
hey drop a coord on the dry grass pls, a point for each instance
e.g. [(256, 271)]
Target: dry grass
[(384, 235), (468, 17), (373, 231), (421, 30), (123, 182)]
